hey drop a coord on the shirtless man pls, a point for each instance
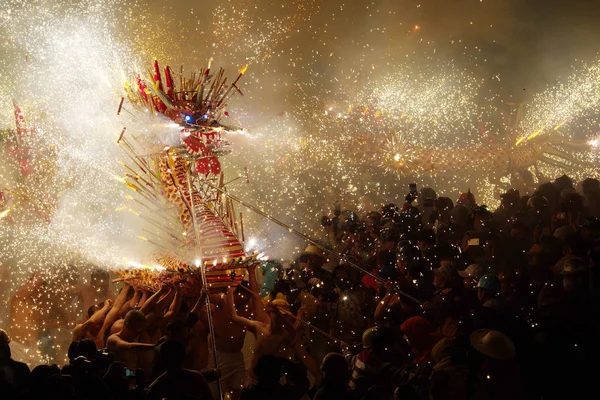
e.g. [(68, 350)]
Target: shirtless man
[(229, 341), (197, 322), (274, 334), (114, 315), (124, 345), (157, 318), (90, 329), (163, 304)]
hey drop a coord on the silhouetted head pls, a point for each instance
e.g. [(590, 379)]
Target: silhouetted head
[(135, 321), (268, 369), (172, 354)]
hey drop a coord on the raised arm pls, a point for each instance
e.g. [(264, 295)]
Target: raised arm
[(229, 308), (258, 309), (156, 315), (163, 303), (96, 319), (175, 304), (131, 304), (309, 362), (152, 300), (252, 278), (173, 308), (116, 344), (114, 312), (145, 295), (196, 310)]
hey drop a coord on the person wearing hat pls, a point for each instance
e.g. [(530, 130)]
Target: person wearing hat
[(379, 363), (471, 276), (468, 292), (492, 314), (492, 360), (488, 289), (421, 336), (318, 280), (275, 336)]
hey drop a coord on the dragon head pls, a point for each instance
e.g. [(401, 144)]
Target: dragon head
[(197, 106)]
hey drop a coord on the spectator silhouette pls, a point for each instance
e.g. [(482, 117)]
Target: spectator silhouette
[(177, 382), (40, 380), (14, 375), (269, 370), (334, 385)]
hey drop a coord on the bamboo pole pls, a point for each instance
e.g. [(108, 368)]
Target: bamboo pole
[(313, 242), (202, 267)]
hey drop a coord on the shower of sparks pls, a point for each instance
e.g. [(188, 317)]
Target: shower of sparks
[(431, 104), (331, 112), (569, 106)]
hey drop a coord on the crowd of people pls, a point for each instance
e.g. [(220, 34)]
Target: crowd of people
[(430, 299)]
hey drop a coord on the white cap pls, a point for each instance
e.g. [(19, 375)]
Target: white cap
[(472, 271)]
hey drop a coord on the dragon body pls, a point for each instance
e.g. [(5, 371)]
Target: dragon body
[(186, 178), (520, 158)]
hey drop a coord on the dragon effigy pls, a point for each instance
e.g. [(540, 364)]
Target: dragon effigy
[(196, 228), (514, 153), (27, 187), (493, 159)]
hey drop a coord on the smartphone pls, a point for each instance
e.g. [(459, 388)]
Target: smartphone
[(561, 215), (130, 373), (412, 187), (473, 242)]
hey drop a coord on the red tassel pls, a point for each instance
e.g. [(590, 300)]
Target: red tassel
[(142, 88), (169, 82), (157, 77)]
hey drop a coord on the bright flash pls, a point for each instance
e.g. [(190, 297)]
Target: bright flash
[(4, 213)]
